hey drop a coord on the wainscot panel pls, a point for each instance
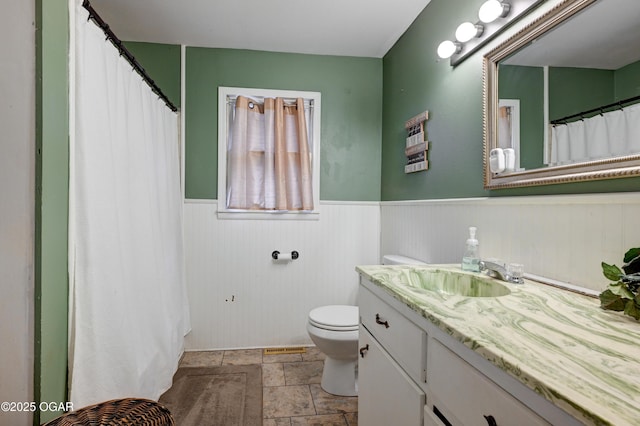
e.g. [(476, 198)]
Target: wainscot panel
[(241, 298), (564, 237)]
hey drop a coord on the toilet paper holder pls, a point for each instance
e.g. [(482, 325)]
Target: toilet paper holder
[(276, 253)]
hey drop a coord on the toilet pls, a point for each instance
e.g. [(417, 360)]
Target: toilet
[(334, 331)]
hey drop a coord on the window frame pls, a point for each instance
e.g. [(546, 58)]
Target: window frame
[(224, 95)]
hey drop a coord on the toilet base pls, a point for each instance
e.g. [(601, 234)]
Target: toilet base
[(339, 377)]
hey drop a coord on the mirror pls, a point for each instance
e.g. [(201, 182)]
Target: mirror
[(562, 97)]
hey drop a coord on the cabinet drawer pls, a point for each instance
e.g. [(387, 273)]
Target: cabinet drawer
[(465, 396), (399, 336)]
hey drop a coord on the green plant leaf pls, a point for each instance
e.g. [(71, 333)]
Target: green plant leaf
[(631, 254), (632, 265), (632, 308), (612, 301), (623, 294), (612, 272), (620, 289)]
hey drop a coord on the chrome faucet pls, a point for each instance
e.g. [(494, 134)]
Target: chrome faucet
[(499, 271)]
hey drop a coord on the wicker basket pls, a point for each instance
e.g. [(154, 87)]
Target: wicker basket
[(117, 412)]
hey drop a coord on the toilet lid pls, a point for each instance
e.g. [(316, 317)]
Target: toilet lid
[(335, 317)]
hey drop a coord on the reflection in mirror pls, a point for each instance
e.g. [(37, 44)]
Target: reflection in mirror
[(571, 81), (509, 131)]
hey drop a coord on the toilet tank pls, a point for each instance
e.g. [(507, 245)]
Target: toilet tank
[(396, 259)]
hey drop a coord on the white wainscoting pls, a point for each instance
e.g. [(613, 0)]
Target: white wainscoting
[(240, 298), (564, 237)]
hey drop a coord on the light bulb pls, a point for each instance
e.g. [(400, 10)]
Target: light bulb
[(492, 10), (467, 30), (447, 48)]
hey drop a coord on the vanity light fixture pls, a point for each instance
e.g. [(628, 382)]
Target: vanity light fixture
[(492, 10), (495, 16), (468, 30), (448, 48)]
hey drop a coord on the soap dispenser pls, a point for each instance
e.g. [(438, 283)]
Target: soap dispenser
[(471, 258)]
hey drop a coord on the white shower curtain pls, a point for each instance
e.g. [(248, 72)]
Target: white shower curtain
[(611, 134), (128, 306)]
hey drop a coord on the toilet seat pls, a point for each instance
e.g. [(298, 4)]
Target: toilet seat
[(335, 317)]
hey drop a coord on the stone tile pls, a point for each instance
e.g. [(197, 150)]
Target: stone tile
[(352, 418), (313, 354), (282, 421), (292, 395), (242, 357), (201, 359), (303, 373), (302, 402), (287, 401), (326, 420), (273, 375), (326, 403), (267, 359)]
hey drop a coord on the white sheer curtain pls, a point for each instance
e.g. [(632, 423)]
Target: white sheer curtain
[(128, 306), (504, 127), (269, 160), (611, 134)]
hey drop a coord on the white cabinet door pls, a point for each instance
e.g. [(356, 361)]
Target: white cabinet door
[(468, 398), (386, 395)]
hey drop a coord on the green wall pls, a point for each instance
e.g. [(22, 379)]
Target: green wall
[(52, 199), (578, 89), (414, 81), (351, 114), (162, 63), (627, 81), (527, 85)]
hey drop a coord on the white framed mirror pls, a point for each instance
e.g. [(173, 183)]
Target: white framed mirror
[(574, 74)]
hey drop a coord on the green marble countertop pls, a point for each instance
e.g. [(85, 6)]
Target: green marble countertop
[(560, 344)]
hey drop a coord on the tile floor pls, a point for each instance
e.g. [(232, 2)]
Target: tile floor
[(291, 392)]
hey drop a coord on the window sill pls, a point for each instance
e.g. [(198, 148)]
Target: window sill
[(262, 215)]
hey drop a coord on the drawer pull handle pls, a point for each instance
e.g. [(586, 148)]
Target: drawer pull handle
[(379, 321), (491, 421), (364, 350)]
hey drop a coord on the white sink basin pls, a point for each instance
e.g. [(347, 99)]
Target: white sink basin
[(452, 282)]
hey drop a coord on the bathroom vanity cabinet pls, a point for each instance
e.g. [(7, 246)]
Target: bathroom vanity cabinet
[(412, 373), (390, 364)]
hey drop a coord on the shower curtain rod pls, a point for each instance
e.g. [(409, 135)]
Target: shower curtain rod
[(289, 102), (93, 15), (601, 109)]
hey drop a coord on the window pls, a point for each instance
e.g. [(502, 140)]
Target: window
[(268, 154)]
